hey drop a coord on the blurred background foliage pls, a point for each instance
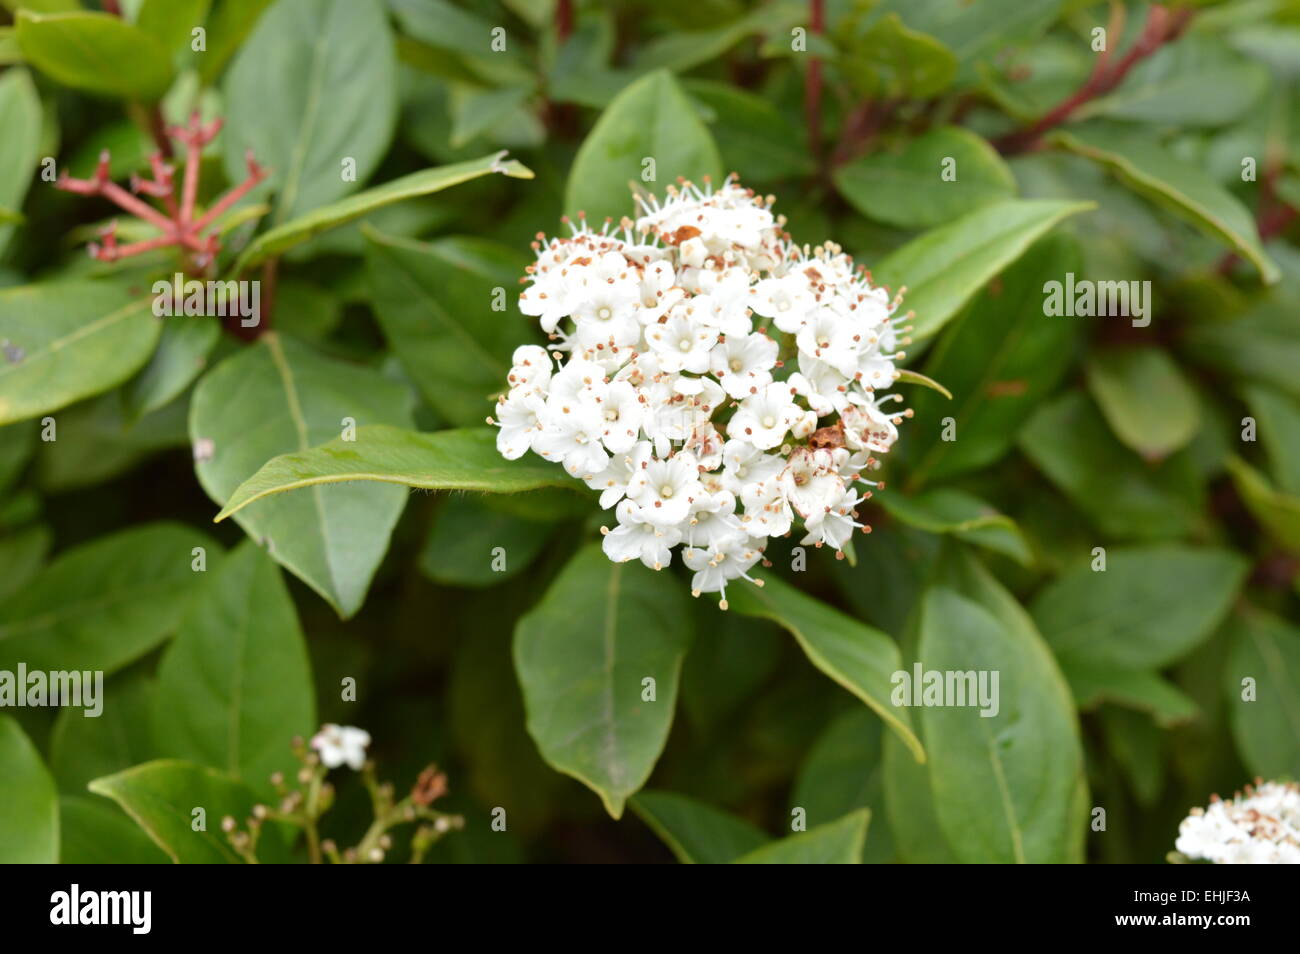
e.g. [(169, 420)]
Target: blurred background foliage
[(1175, 446)]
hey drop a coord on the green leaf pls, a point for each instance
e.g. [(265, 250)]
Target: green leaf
[(931, 180), (889, 60), (1001, 358), (582, 654), (945, 267), (94, 832), (170, 22), (330, 538), (181, 357), (1126, 498), (1279, 513), (977, 31), (463, 548), (228, 27), (1003, 783), (965, 516), (104, 603), (1261, 346), (326, 217), (235, 685), (314, 86), (1176, 185), (1149, 607), (66, 342), (859, 658), (1277, 417), (20, 148), (752, 133), (162, 797), (696, 833), (844, 771), (837, 843), (82, 747), (445, 460), (1266, 726), (1147, 401), (21, 555), (651, 119), (29, 824), (1093, 684), (97, 53), (436, 304), (1195, 82)]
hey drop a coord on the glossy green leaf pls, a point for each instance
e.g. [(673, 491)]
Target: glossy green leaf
[(21, 555), (1149, 607), (323, 218), (1277, 512), (29, 824), (95, 832), (1000, 359), (582, 654), (235, 685), (474, 543), (84, 747), (945, 267), (332, 538), (1002, 783), (106, 602), (696, 833), (1264, 713), (437, 305), (66, 342), (1092, 684), (1277, 419), (1260, 346), (752, 134), (20, 118), (181, 357), (1125, 496), (933, 179), (889, 60), (170, 22), (312, 92), (859, 658), (965, 516), (97, 53), (844, 771), (1176, 185), (1145, 398), (445, 460), (835, 843), (163, 796), (650, 119)]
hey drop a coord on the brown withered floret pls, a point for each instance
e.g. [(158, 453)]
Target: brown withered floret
[(828, 438)]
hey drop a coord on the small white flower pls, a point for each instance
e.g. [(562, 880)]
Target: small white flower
[(682, 343), (636, 538), (764, 418), (744, 363), (341, 744), (666, 489)]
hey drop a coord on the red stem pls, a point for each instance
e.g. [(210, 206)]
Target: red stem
[(813, 81), (1160, 28)]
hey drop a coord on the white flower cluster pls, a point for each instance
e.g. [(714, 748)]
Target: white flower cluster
[(668, 387), (1260, 828)]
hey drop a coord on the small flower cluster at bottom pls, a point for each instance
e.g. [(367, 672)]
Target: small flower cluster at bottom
[(303, 804), (662, 392), (1259, 827)]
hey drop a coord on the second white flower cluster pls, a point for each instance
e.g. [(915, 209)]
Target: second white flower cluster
[(662, 391)]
